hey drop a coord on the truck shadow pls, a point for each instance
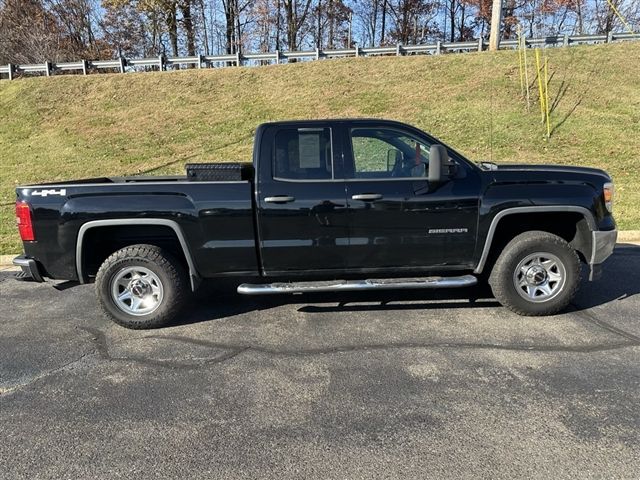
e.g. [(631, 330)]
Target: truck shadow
[(216, 301), (619, 279)]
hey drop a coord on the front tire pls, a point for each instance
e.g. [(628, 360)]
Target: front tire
[(536, 274), (141, 287)]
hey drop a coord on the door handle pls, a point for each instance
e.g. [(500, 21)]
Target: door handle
[(367, 197), (279, 199)]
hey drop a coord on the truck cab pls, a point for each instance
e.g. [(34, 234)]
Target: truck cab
[(355, 197)]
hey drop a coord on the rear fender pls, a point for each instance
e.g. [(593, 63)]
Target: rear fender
[(193, 273)]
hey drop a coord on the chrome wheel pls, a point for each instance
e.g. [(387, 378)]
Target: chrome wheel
[(539, 277), (136, 290)]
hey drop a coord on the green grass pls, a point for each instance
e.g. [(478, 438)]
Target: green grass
[(72, 127)]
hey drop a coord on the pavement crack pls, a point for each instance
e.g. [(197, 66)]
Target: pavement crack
[(585, 314), (180, 364), (389, 346), (47, 373), (99, 339)]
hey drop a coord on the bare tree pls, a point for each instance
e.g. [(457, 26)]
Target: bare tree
[(26, 33), (265, 23), (411, 19), (340, 18), (368, 14), (295, 18), (123, 29), (77, 19), (605, 14), (235, 22), (31, 33)]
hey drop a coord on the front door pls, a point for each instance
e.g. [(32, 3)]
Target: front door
[(397, 222), (302, 209)]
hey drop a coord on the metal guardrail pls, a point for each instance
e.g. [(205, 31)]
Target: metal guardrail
[(206, 61)]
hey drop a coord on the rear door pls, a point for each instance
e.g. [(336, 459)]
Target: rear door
[(302, 209), (397, 222)]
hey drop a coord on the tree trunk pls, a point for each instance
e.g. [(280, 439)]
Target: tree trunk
[(278, 27), (172, 26), (384, 21), (374, 21), (579, 14), (331, 24), (319, 26), (496, 20), (461, 32), (238, 28), (229, 16), (187, 21), (204, 28), (609, 19), (291, 25), (452, 20)]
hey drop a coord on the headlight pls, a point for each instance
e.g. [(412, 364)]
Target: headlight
[(607, 193)]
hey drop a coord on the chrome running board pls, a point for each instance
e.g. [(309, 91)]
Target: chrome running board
[(355, 285)]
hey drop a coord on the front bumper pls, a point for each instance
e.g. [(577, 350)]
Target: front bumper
[(29, 268), (602, 245)]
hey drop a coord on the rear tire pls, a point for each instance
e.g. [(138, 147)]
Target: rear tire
[(141, 287), (536, 274)]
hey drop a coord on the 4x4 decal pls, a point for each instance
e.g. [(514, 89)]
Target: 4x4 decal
[(44, 193)]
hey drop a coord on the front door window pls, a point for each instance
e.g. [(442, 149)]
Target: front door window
[(388, 153)]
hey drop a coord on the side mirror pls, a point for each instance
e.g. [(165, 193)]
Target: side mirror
[(438, 162)]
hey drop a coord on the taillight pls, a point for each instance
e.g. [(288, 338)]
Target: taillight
[(25, 226)]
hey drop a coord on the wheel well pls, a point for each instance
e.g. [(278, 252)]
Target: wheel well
[(571, 226), (100, 242)]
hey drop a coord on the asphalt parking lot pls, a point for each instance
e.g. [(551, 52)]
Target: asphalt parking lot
[(392, 385)]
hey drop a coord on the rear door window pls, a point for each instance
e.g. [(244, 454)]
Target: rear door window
[(303, 154)]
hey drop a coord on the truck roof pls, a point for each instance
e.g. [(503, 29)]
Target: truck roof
[(376, 121)]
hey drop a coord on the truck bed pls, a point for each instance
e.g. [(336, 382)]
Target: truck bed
[(215, 218)]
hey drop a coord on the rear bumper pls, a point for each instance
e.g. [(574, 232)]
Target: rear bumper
[(602, 245), (29, 267)]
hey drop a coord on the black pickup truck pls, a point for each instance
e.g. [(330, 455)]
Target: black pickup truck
[(327, 205)]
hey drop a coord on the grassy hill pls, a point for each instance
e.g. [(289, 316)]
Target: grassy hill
[(71, 127)]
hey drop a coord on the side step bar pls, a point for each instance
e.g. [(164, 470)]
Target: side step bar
[(356, 285)]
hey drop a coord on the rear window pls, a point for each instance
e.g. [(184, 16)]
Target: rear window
[(303, 154)]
